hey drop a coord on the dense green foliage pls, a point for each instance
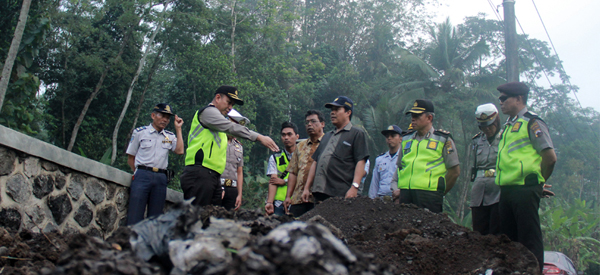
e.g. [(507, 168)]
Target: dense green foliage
[(287, 57)]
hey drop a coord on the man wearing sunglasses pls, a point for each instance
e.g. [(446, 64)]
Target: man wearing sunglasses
[(428, 164), (526, 160)]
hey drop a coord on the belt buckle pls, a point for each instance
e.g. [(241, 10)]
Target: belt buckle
[(490, 173), (154, 169), (228, 182)]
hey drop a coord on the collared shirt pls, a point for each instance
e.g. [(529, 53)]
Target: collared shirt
[(235, 159), (151, 148), (485, 192), (272, 166), (449, 155), (213, 119), (337, 158), (383, 172), (538, 132), (300, 165)]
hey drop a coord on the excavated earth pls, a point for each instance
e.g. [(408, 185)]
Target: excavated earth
[(386, 238)]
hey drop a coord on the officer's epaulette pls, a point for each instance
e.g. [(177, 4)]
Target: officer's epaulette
[(477, 135), (169, 132), (443, 133), (140, 128), (531, 115), (381, 154), (236, 141)]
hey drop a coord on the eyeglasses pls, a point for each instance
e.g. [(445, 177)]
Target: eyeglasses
[(313, 122), (504, 98)]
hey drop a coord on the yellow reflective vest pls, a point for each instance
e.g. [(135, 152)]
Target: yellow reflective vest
[(282, 162), (423, 166), (206, 147)]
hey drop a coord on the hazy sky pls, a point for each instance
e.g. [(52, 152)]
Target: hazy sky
[(573, 27)]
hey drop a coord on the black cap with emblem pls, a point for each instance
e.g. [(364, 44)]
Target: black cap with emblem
[(231, 92), (162, 108), (392, 129), (341, 101), (421, 106), (514, 88)]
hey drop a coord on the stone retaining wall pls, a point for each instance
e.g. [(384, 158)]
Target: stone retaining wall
[(44, 188)]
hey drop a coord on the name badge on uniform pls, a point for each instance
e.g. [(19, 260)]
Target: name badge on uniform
[(432, 144), (167, 141), (516, 127)]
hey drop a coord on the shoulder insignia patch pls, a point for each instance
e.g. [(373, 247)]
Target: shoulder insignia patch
[(140, 128), (381, 154), (169, 132), (477, 135)]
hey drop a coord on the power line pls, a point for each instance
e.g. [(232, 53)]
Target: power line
[(553, 48)]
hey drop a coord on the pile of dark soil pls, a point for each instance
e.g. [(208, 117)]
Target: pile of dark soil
[(386, 238), (417, 241)]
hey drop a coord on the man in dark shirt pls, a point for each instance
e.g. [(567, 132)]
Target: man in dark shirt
[(339, 162)]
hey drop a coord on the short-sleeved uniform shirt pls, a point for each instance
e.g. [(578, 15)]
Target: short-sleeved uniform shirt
[(272, 165), (336, 159), (538, 132), (151, 148), (485, 192), (449, 155), (235, 159), (300, 166), (383, 172)]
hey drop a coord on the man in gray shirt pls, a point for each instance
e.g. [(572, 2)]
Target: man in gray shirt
[(207, 147), (339, 162)]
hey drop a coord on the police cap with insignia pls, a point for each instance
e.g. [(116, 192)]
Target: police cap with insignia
[(514, 88), (341, 101), (486, 114), (421, 106), (162, 108), (392, 129), (231, 92)]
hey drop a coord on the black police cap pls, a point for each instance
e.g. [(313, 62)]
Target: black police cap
[(341, 101), (162, 108), (421, 106), (514, 88), (231, 92)]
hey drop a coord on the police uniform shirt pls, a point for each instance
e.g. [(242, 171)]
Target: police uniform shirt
[(383, 172), (151, 148), (538, 132), (449, 155), (485, 192), (235, 159)]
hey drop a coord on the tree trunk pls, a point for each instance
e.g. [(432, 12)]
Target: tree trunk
[(113, 156), (150, 75), (14, 48), (93, 95), (233, 25)]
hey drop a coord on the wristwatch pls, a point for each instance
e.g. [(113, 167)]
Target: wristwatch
[(355, 184)]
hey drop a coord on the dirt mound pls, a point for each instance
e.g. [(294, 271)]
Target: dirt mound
[(381, 238), (28, 253), (417, 241)]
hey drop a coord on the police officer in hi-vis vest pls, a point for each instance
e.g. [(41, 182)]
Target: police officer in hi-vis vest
[(278, 164), (526, 160), (428, 164), (485, 194), (207, 147)]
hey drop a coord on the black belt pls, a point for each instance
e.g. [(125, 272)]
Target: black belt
[(153, 169)]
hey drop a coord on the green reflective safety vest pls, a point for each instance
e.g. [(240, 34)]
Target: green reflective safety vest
[(518, 162), (282, 161), (422, 162), (205, 146)]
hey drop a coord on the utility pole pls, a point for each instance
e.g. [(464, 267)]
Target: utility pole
[(510, 41)]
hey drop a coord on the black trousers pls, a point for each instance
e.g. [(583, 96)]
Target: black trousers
[(231, 194), (432, 200), (202, 184), (299, 209), (519, 218), (320, 197), (486, 219)]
